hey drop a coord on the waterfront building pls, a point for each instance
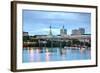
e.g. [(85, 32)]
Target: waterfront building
[(82, 30), (75, 32), (25, 34), (79, 31), (63, 31)]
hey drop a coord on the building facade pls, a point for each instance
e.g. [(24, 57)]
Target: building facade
[(79, 31), (82, 30), (25, 34), (63, 31)]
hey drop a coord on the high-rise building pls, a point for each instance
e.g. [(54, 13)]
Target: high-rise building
[(79, 31), (82, 30), (63, 31), (75, 32)]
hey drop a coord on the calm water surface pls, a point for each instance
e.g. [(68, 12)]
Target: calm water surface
[(33, 54)]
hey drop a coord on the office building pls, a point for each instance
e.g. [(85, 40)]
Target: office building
[(82, 30)]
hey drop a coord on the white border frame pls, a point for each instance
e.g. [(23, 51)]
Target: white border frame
[(35, 65)]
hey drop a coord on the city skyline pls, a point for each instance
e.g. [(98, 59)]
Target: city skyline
[(38, 22)]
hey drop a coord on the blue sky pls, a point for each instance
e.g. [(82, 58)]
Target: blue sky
[(38, 22)]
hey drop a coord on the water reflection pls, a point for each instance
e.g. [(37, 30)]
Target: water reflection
[(35, 54), (31, 54), (48, 54)]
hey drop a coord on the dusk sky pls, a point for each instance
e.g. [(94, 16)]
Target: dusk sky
[(38, 22)]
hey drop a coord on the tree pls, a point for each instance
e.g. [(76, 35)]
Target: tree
[(87, 44), (75, 42), (25, 38), (69, 43)]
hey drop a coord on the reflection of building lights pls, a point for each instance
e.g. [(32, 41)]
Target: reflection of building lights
[(34, 54), (82, 49), (38, 54), (63, 57), (28, 49), (63, 53), (31, 54), (47, 55)]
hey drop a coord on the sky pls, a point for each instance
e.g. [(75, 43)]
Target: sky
[(38, 22)]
